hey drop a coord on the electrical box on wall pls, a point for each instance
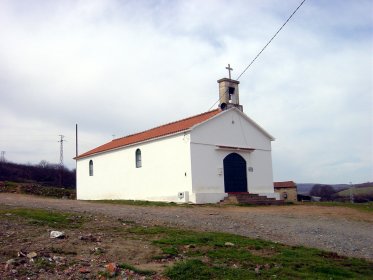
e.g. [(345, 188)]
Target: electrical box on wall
[(183, 196)]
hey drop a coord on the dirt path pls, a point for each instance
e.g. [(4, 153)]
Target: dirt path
[(341, 230)]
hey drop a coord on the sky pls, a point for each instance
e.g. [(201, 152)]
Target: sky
[(120, 67)]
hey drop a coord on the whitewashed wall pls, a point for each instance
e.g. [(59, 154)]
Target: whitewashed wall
[(174, 164), (165, 172), (232, 129)]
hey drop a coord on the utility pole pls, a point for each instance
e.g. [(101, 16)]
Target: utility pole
[(2, 157), (76, 140), (61, 158)]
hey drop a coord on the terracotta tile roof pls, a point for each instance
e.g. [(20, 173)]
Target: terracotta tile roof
[(286, 184), (167, 129)]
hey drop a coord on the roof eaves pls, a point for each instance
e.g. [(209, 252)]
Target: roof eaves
[(131, 144)]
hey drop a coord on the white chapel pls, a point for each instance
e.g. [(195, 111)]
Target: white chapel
[(200, 159)]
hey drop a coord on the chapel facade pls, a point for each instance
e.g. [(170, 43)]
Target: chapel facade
[(199, 159)]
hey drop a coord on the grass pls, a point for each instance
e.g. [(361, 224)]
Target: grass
[(212, 255), (137, 270), (140, 203), (44, 217), (366, 207), (356, 191), (205, 255)]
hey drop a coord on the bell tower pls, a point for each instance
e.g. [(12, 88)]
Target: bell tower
[(228, 92)]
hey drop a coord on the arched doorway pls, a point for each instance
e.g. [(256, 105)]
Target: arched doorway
[(235, 175)]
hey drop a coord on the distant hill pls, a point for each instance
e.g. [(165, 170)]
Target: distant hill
[(305, 188), (44, 173)]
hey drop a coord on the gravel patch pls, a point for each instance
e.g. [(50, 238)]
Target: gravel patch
[(341, 230)]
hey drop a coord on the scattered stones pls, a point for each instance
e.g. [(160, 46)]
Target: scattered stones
[(59, 260), (190, 246), (112, 269), (89, 237), (32, 255), (98, 250), (9, 264), (57, 234), (84, 270), (21, 254)]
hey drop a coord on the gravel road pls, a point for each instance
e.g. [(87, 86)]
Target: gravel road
[(342, 230)]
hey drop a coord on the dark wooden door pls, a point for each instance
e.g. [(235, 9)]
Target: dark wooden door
[(235, 176)]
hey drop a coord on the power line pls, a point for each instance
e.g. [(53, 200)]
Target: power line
[(255, 58), (278, 31)]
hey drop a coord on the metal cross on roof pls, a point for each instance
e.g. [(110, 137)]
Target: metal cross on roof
[(229, 70)]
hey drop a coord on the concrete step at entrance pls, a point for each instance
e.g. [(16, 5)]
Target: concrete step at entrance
[(249, 198)]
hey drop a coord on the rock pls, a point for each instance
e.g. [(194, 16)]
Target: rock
[(58, 260), (32, 255), (9, 264), (57, 234), (21, 254), (112, 269), (229, 244), (84, 270), (88, 237), (98, 250)]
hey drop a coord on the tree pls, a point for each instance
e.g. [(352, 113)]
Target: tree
[(324, 191), (44, 164)]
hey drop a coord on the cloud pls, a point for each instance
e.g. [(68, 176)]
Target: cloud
[(119, 67)]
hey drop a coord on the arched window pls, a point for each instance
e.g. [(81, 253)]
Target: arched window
[(91, 168), (138, 158)]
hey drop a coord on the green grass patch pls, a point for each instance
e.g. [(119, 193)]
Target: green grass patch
[(141, 203), (143, 272), (356, 191), (365, 207), (45, 217), (209, 255), (196, 269)]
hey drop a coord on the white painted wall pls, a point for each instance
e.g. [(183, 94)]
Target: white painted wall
[(228, 129), (176, 163), (165, 172)]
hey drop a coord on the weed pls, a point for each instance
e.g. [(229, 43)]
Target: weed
[(44, 217), (62, 251), (366, 207), (206, 256), (136, 270), (42, 263)]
